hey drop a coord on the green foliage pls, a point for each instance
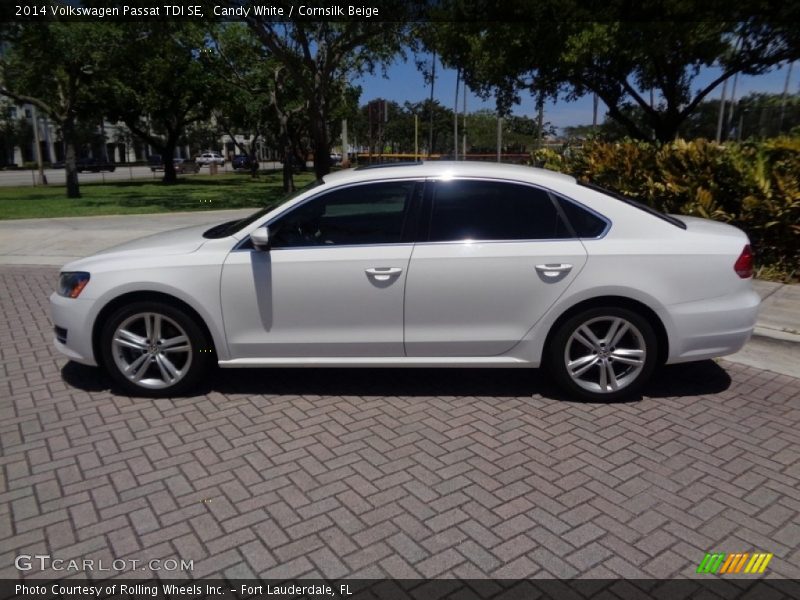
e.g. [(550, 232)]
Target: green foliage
[(634, 50), (159, 89), (195, 193), (318, 56), (754, 116), (58, 68), (752, 185)]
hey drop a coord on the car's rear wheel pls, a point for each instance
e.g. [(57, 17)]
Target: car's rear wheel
[(603, 353), (154, 349)]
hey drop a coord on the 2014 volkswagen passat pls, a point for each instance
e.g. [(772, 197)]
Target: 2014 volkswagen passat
[(430, 264)]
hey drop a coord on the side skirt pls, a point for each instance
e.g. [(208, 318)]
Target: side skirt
[(373, 361)]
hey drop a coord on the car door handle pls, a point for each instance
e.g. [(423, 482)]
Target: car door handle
[(553, 270), (383, 273)]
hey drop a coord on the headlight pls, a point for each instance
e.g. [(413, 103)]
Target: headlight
[(71, 284)]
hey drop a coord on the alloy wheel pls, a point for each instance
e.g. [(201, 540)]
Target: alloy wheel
[(151, 350), (605, 354)]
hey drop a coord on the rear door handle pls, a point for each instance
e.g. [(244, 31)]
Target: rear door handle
[(383, 273), (553, 270)]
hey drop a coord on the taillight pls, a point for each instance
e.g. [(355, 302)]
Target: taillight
[(744, 264)]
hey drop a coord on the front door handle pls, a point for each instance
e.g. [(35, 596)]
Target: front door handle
[(383, 273), (553, 270)]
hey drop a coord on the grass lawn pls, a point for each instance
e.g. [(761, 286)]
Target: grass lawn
[(199, 192)]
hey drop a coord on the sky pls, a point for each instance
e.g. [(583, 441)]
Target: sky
[(405, 83)]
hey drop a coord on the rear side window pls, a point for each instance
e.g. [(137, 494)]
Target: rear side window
[(584, 223), (641, 205), (491, 210)]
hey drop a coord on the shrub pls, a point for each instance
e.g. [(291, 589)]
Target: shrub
[(753, 185)]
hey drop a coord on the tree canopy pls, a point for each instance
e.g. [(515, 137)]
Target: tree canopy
[(321, 57), (57, 68), (565, 48), (159, 89)]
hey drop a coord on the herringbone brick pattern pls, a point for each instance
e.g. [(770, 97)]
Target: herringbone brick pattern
[(380, 473)]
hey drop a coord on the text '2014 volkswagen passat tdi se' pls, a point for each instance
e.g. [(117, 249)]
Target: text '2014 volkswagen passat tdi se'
[(421, 265)]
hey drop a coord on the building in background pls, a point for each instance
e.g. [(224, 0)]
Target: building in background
[(111, 142)]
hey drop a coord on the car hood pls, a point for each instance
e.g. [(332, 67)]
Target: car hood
[(176, 241), (167, 243)]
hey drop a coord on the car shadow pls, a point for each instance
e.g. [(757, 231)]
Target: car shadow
[(691, 379)]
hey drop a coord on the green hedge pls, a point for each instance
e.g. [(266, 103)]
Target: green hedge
[(753, 185)]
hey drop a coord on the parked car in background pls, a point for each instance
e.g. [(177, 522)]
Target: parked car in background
[(93, 165), (182, 165), (420, 265), (155, 162), (185, 165), (209, 158), (241, 162)]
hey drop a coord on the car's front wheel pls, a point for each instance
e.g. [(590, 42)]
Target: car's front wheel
[(154, 349), (603, 353)]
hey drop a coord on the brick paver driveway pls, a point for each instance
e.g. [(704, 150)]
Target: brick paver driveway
[(377, 473)]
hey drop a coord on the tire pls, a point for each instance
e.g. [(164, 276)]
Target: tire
[(175, 364), (598, 343)]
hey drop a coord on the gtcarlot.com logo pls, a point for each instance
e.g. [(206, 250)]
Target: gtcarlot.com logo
[(722, 563), (44, 562)]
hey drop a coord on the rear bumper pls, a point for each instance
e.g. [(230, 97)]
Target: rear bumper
[(713, 327)]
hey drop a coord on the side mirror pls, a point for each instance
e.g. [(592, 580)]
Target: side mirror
[(260, 238)]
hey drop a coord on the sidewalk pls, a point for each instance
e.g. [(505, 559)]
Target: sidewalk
[(780, 310), (59, 240), (775, 345)]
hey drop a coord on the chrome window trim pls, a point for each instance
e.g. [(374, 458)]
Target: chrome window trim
[(550, 191)]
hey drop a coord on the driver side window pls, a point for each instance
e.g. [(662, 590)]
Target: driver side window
[(374, 213)]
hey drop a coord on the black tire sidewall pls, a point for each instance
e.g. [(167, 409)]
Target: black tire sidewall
[(201, 361), (555, 353)]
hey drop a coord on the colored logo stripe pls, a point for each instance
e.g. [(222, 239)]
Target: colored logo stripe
[(758, 564), (725, 564)]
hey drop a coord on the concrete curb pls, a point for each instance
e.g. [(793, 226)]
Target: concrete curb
[(769, 333)]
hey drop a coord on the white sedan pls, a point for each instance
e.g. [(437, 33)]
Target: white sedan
[(210, 158), (420, 265)]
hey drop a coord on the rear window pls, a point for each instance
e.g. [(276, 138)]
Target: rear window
[(637, 204), (585, 224)]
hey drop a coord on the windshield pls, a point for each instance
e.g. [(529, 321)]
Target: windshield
[(230, 227)]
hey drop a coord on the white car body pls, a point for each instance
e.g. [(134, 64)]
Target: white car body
[(209, 158), (452, 303)]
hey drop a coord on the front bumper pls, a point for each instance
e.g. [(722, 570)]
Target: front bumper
[(712, 327), (75, 317)]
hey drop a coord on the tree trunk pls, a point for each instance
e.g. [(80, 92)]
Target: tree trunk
[(288, 180), (633, 130), (666, 127), (322, 148), (253, 163), (68, 130), (170, 176), (253, 155)]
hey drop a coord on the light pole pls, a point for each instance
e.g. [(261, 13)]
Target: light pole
[(37, 141), (499, 136), (455, 117)]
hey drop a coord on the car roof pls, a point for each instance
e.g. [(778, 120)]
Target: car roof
[(443, 168)]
